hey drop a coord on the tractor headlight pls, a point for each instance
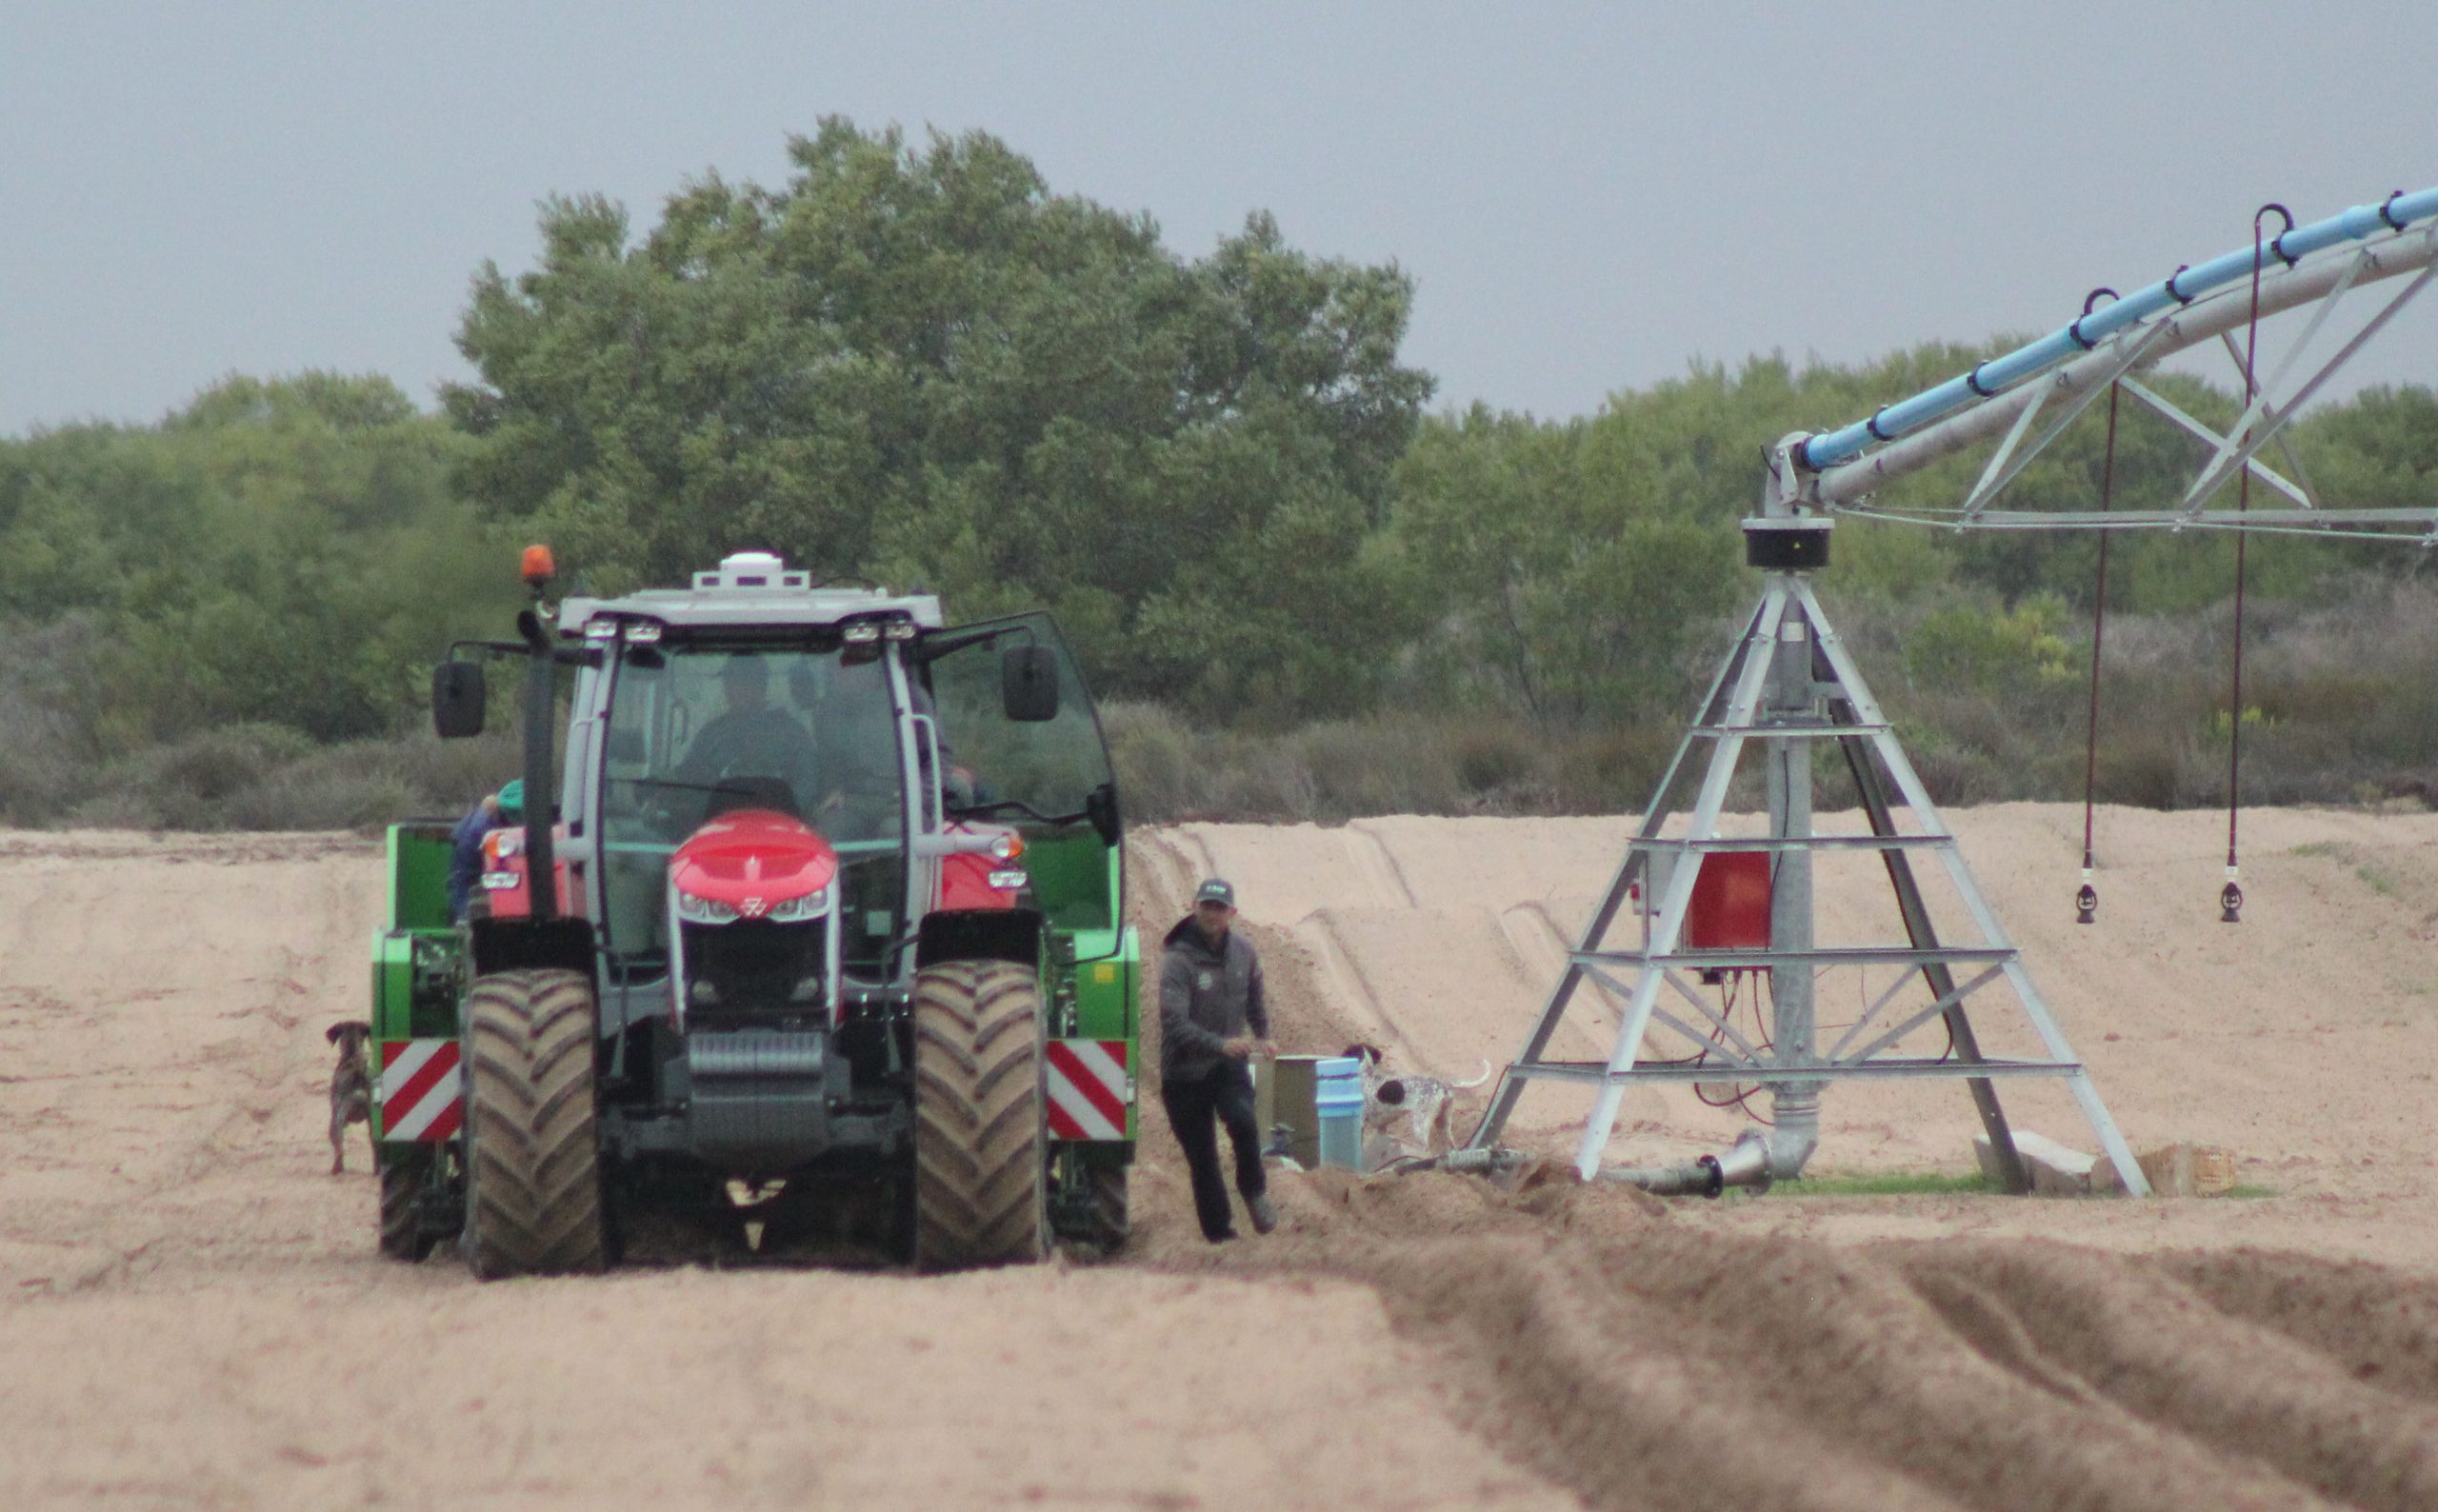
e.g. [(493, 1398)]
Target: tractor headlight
[(796, 910), (703, 910)]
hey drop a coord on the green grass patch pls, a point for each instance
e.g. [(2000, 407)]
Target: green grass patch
[(1929, 1183), (1886, 1184), (2366, 873)]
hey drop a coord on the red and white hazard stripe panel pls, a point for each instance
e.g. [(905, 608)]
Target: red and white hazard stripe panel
[(1089, 1087), (422, 1089)]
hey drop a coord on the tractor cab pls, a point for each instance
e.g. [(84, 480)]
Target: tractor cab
[(853, 767)]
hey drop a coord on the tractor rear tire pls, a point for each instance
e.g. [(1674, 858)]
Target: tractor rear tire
[(402, 1182), (981, 1178), (534, 1204), (1110, 1221)]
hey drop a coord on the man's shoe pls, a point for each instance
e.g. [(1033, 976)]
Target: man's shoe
[(1222, 1237), (1265, 1215)]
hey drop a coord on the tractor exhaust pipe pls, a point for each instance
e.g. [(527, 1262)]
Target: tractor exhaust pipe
[(541, 701)]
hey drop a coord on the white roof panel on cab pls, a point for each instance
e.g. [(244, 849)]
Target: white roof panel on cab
[(750, 589)]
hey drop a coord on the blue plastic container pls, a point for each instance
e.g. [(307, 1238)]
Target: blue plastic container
[(1337, 1098)]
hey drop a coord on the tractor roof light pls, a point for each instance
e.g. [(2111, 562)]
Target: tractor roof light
[(601, 629), (538, 568), (900, 631), (642, 632), (862, 632)]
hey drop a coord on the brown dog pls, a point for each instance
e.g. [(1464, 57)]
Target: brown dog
[(351, 1088)]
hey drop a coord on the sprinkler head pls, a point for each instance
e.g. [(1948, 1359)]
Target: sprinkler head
[(2087, 904), (2230, 905)]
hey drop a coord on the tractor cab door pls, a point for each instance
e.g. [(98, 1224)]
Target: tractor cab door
[(1021, 746)]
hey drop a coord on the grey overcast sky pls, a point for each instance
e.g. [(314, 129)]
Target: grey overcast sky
[(1587, 196)]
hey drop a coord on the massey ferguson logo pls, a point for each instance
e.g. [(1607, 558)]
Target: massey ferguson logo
[(752, 907)]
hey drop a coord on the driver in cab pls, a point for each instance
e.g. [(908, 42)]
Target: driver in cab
[(748, 738)]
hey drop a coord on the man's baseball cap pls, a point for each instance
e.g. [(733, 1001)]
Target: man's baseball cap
[(512, 799), (1215, 892)]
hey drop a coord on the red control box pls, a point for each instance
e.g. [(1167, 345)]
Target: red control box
[(1730, 902)]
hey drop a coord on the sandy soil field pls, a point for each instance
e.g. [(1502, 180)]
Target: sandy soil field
[(192, 1313)]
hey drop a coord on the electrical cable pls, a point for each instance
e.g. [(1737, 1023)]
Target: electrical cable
[(1727, 1015), (1741, 1099)]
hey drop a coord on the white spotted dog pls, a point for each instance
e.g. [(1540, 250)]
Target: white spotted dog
[(1414, 1113), (351, 1088)]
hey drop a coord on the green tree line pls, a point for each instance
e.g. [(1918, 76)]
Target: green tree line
[(913, 362)]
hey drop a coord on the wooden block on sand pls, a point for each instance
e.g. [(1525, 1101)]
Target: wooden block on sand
[(2183, 1170), (2060, 1170)]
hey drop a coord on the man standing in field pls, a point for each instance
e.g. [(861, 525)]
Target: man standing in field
[(1213, 1020)]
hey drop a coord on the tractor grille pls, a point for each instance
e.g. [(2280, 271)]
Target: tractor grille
[(753, 967), (759, 1053)]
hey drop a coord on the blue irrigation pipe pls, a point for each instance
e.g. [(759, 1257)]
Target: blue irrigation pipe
[(2178, 288)]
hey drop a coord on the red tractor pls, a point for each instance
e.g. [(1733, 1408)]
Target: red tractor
[(829, 908)]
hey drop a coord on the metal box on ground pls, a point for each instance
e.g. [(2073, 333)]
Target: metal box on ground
[(1284, 1099)]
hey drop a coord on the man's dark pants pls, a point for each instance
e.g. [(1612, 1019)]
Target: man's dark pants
[(1222, 1096)]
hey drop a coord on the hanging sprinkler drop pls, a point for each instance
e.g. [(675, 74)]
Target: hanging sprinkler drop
[(2087, 900)]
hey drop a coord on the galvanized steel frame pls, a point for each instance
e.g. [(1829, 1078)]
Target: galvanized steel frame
[(2325, 280), (2154, 324), (1638, 976)]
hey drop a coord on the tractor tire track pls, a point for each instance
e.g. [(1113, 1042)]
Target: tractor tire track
[(1645, 1363)]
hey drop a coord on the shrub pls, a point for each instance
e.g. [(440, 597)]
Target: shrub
[(1159, 770), (1988, 650), (1494, 759)]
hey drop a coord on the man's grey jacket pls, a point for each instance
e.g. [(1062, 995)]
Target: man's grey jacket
[(1207, 997)]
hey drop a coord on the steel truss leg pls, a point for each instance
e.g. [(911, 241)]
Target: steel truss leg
[(1848, 678), (1919, 929), (1632, 869)]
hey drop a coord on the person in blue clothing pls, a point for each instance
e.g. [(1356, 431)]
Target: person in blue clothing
[(496, 811)]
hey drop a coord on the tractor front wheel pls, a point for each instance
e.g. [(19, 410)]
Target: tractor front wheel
[(533, 1203), (981, 1175)]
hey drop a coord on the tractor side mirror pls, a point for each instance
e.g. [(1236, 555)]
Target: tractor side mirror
[(1029, 684), (458, 698)]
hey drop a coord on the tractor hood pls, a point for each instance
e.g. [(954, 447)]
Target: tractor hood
[(752, 860)]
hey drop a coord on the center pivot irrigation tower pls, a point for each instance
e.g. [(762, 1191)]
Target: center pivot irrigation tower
[(1790, 686)]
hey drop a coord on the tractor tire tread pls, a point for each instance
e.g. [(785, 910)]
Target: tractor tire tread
[(1111, 1222), (535, 1207), (403, 1182), (980, 1171)]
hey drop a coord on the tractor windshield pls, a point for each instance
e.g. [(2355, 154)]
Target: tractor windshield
[(697, 730)]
